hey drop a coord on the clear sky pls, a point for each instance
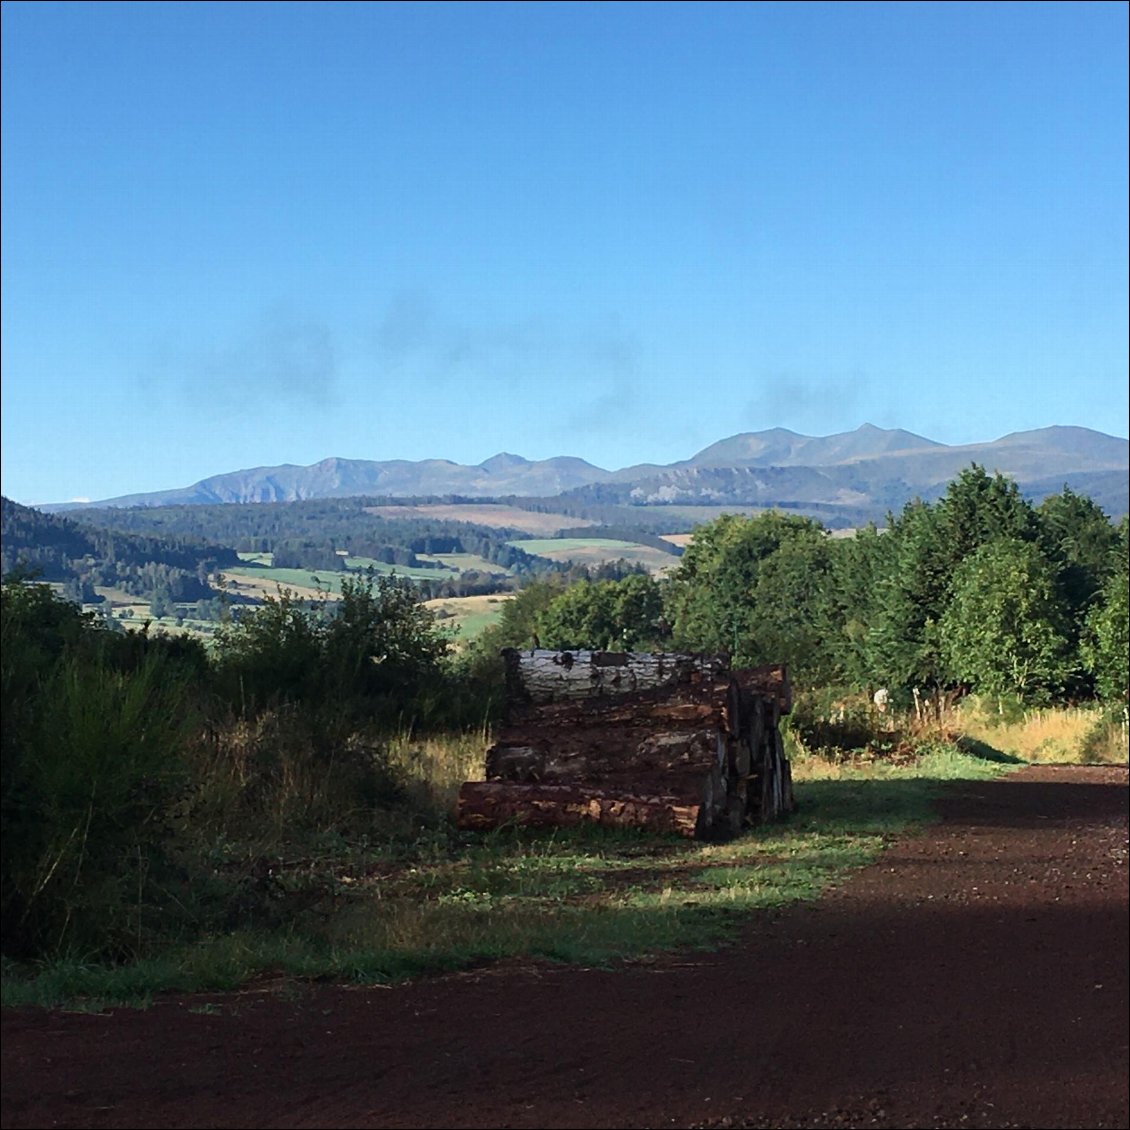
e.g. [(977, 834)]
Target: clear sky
[(238, 235)]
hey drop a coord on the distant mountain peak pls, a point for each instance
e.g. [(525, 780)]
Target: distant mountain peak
[(504, 461)]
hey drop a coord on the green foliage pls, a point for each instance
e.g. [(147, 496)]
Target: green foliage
[(1003, 632), (377, 647), (92, 730), (753, 587), (906, 645), (269, 652), (1106, 639), (978, 508), (859, 566), (518, 624), (381, 639), (1078, 537), (624, 615), (903, 649), (835, 726)]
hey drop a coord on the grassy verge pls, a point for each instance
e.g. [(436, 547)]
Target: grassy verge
[(434, 899), (1088, 734)]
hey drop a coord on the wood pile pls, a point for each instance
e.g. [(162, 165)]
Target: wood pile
[(674, 743)]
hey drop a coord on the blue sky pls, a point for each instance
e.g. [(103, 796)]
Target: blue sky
[(238, 235)]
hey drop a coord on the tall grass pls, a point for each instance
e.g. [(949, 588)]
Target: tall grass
[(827, 729), (433, 767), (1066, 735), (86, 866)]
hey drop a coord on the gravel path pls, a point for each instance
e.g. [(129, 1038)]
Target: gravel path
[(976, 976)]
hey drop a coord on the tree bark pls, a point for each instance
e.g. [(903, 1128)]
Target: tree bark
[(542, 675), (488, 804)]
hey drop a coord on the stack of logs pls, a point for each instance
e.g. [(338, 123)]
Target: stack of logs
[(674, 743)]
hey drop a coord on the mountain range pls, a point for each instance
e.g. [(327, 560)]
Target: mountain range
[(844, 478)]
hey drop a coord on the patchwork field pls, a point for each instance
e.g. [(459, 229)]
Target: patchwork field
[(257, 577), (258, 581)]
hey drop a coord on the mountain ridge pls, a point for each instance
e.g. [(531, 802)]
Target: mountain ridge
[(867, 468)]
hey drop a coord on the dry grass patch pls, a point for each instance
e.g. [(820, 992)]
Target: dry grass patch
[(493, 514), (1075, 735), (599, 550)]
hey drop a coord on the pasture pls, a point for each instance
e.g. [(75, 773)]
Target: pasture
[(467, 615)]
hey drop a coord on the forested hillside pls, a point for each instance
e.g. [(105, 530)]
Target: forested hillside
[(83, 555), (317, 532)]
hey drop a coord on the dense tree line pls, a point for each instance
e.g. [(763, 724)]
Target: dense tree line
[(294, 554), (310, 534), (257, 527), (168, 554), (979, 590)]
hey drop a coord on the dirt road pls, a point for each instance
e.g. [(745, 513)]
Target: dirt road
[(975, 976)]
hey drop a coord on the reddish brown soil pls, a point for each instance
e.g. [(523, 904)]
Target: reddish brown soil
[(975, 976)]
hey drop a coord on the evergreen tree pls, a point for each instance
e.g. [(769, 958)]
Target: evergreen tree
[(910, 598)]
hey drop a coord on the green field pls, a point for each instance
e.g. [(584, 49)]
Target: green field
[(267, 577), (328, 580), (467, 615)]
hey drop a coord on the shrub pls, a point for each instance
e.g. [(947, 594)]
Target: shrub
[(836, 727), (92, 736)]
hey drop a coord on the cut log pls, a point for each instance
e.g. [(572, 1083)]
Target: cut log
[(673, 742), (540, 755), (489, 804), (541, 675)]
